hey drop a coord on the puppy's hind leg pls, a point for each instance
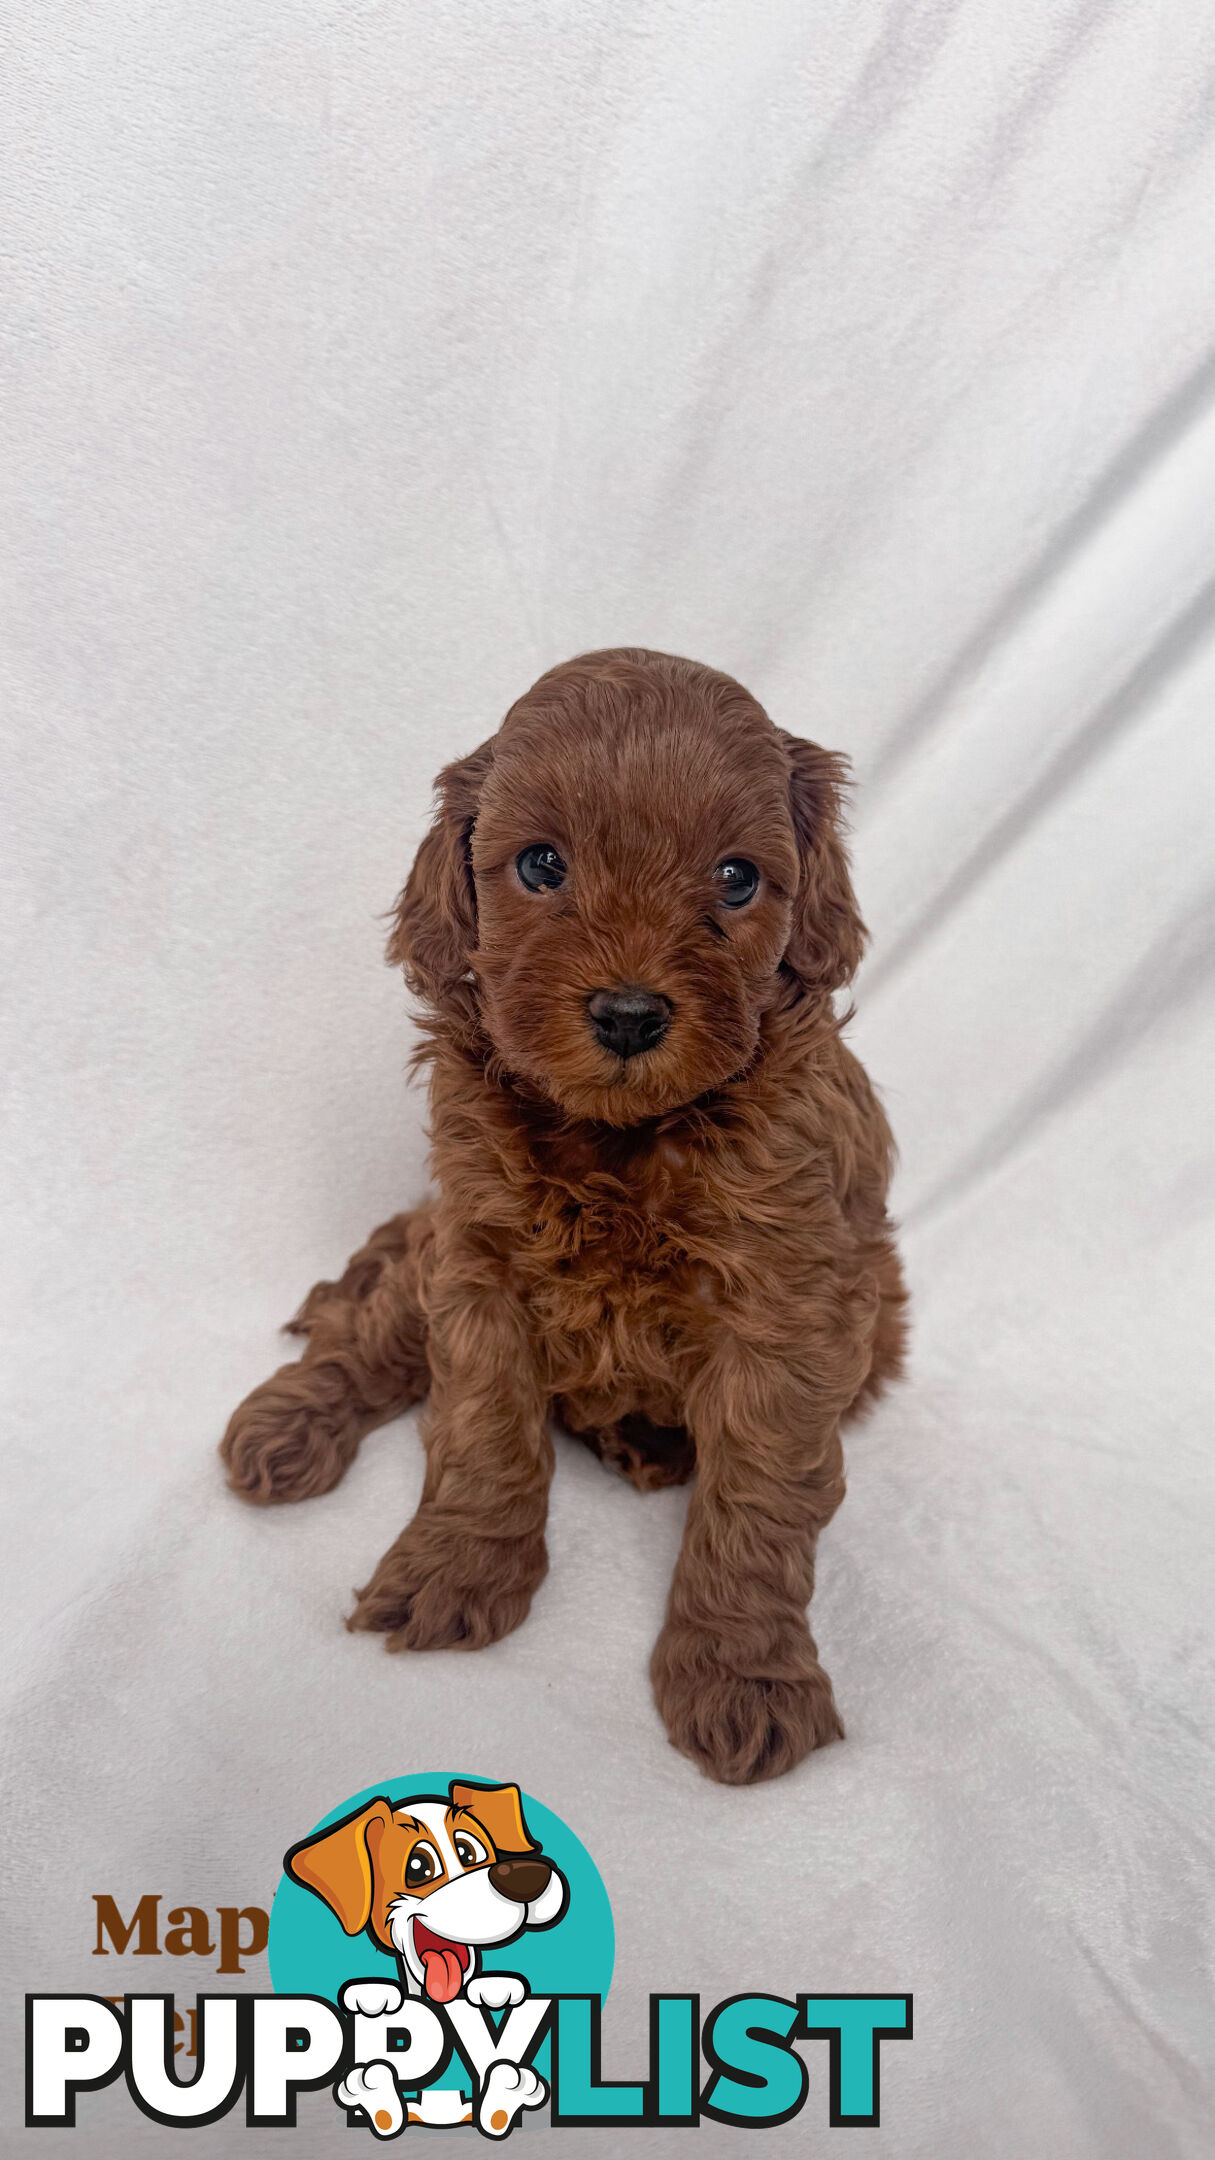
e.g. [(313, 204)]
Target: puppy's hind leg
[(296, 1434), (889, 1346), (392, 1241)]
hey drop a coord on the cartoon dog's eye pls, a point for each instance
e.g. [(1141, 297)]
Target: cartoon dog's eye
[(469, 1850), (737, 881), (422, 1866), (540, 868)]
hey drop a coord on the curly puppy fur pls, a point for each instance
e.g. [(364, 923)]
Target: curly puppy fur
[(685, 1257)]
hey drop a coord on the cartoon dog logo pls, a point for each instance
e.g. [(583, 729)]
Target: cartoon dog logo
[(434, 1882)]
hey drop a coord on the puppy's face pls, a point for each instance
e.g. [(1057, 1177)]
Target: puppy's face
[(620, 879), (635, 872)]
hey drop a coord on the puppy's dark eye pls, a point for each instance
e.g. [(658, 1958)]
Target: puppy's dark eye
[(540, 868), (469, 1850), (736, 881), (422, 1866)]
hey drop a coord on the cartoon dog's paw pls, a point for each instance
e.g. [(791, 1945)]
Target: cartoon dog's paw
[(372, 2087), (372, 1998), (508, 2088), (741, 1727), (445, 1586), (496, 1991)]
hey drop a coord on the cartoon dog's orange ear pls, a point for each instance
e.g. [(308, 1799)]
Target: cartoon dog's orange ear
[(499, 1810), (338, 1864)]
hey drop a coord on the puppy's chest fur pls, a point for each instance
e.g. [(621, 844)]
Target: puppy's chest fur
[(632, 1250), (618, 1251)]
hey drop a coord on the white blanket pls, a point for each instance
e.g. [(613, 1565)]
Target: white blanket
[(361, 361)]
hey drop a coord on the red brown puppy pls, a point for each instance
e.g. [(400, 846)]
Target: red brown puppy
[(662, 1182)]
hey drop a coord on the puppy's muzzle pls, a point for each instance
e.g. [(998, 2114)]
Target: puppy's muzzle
[(627, 1022), (523, 1880)]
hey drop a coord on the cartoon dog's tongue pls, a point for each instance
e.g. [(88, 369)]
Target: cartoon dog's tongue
[(443, 1962), (443, 1972)]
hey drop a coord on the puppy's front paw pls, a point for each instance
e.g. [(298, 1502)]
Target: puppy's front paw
[(292, 1438), (445, 1586), (739, 1727)]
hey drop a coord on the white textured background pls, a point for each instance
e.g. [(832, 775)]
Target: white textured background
[(360, 360)]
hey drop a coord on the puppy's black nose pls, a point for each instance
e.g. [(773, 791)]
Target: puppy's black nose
[(629, 1021), (523, 1879)]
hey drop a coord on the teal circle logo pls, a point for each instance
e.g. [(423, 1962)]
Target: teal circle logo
[(459, 1844)]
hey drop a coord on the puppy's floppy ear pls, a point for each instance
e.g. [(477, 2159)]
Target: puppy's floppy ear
[(339, 1863), (435, 926), (498, 1809), (827, 936)]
